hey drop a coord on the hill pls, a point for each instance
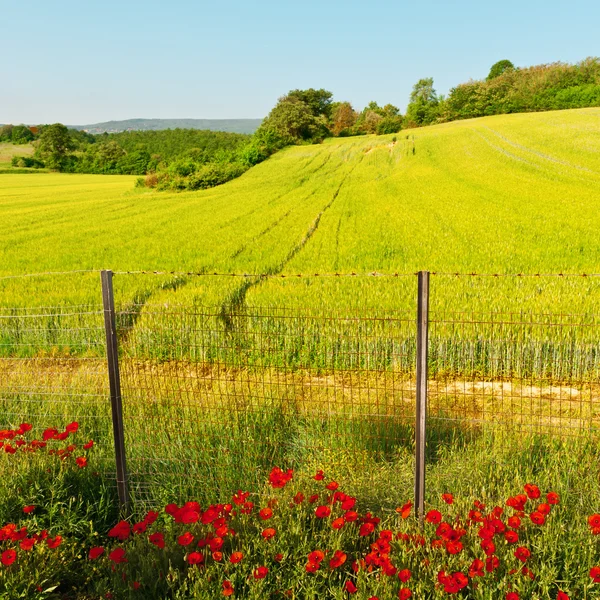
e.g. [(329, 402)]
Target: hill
[(229, 125), (508, 194)]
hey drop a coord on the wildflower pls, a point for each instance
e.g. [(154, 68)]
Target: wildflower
[(316, 556), (54, 542), (350, 516), (594, 521), (595, 574), (8, 557), (332, 486), (278, 557), (366, 529), (268, 533), (151, 517), (185, 539), (121, 531), (514, 522), (117, 556), (227, 588), (312, 567), (532, 491), (72, 427), (537, 518), (235, 557), (265, 513), (319, 476), (404, 511), (27, 544), (278, 479), (561, 595), (433, 516), (96, 552), (240, 497), (339, 558), (476, 568), (522, 553), (350, 587), (28, 509), (492, 563), (454, 547), (157, 539), (49, 434), (322, 512), (404, 594), (448, 498), (511, 537), (299, 498), (512, 596), (260, 572), (217, 556), (195, 558), (338, 523), (552, 498), (88, 445), (544, 509), (404, 575)]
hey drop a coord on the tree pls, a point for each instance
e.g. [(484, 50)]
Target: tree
[(423, 108), (423, 91), (21, 134), (293, 120), (319, 101), (343, 118), (54, 146), (499, 68)]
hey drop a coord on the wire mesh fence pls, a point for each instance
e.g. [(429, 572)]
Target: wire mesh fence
[(215, 395)]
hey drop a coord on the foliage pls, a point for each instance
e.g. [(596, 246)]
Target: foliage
[(21, 134), (54, 147), (499, 68), (423, 108)]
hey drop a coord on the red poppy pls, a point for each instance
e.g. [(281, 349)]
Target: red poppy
[(235, 557), (217, 556), (488, 547), (313, 498), (121, 531), (537, 518), (532, 491), (366, 529), (312, 567), (28, 509), (433, 516), (492, 563), (454, 547), (350, 516), (339, 558), (260, 572), (511, 537), (595, 574), (350, 587), (448, 498), (96, 552), (514, 522), (268, 533), (72, 427), (338, 523), (332, 486), (158, 539), (404, 575), (8, 557), (476, 568), (215, 544), (544, 509), (561, 595), (552, 498), (299, 498), (227, 588), (319, 476), (185, 539), (404, 511), (265, 513), (151, 517), (594, 521), (348, 503), (316, 556), (322, 512), (512, 596), (117, 556), (49, 434), (54, 542), (278, 478), (27, 544), (195, 558), (404, 594), (522, 553), (278, 557)]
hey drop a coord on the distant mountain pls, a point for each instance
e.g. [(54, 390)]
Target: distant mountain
[(231, 125)]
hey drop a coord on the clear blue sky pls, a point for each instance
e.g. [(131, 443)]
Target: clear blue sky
[(81, 62)]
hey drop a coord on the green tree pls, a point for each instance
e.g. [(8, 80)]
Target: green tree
[(294, 121), (319, 101), (423, 108), (6, 133), (343, 118), (499, 68), (54, 146), (21, 134)]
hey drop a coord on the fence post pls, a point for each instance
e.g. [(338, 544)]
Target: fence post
[(112, 355), (421, 408)]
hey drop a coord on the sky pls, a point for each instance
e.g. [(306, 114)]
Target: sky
[(82, 62)]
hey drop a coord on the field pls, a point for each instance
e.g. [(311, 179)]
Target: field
[(226, 377)]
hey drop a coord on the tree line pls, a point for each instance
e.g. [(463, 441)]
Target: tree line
[(193, 159)]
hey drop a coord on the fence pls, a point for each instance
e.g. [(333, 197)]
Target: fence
[(206, 399)]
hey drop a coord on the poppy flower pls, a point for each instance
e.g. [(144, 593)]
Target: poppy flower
[(121, 531), (28, 509), (552, 498), (594, 521), (339, 558), (215, 544), (278, 557), (537, 518), (312, 567), (544, 509), (322, 512), (348, 503), (448, 498), (186, 539), (299, 498), (54, 542), (260, 572), (350, 516), (404, 511), (492, 563), (338, 523), (227, 588), (561, 595), (268, 533), (522, 553), (319, 476), (433, 516), (532, 491), (96, 552), (217, 556), (278, 478), (49, 434), (404, 594), (8, 557), (157, 539), (511, 537), (88, 445), (316, 556), (404, 575), (595, 574), (72, 427), (118, 556), (366, 529), (512, 596), (27, 544), (514, 522), (476, 568), (195, 558), (332, 486), (235, 557), (454, 547), (265, 513), (350, 587)]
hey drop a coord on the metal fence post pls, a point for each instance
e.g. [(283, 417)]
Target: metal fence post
[(112, 355), (421, 408)]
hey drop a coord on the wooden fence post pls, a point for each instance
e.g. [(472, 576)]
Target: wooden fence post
[(421, 408), (112, 355)]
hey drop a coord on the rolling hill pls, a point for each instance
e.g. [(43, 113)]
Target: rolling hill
[(230, 125)]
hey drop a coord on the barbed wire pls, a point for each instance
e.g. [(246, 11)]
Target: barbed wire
[(372, 274)]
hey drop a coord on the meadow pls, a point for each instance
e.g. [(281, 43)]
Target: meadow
[(226, 377)]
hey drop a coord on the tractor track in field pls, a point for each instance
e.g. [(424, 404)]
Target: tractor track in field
[(238, 298)]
